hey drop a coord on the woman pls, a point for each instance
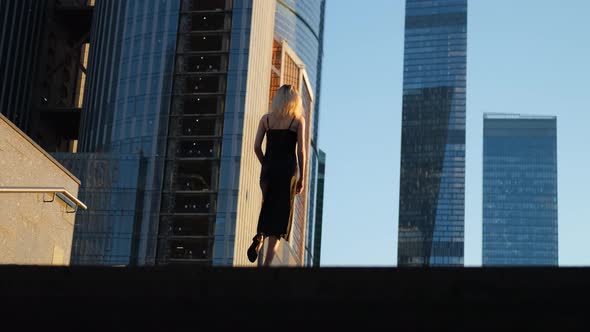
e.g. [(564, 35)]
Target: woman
[(283, 127)]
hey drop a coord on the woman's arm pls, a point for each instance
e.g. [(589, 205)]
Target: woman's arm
[(301, 155), (258, 140)]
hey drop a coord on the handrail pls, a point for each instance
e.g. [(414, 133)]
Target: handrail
[(50, 190)]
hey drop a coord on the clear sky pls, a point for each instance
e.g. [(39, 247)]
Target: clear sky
[(525, 56)]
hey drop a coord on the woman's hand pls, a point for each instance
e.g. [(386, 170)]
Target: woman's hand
[(299, 187)]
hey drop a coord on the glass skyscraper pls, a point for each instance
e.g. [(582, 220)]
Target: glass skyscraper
[(174, 94), (125, 112), (519, 190), (432, 179), (319, 208), (154, 105), (174, 90)]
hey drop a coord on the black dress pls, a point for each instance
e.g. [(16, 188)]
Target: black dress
[(278, 180)]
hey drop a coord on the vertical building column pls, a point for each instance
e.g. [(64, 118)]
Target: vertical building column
[(196, 123), (239, 198)]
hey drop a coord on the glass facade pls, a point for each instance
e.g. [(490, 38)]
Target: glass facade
[(169, 85), (166, 86), (128, 96), (190, 188), (21, 24), (105, 234), (519, 190), (319, 209), (43, 48), (432, 176), (301, 24)]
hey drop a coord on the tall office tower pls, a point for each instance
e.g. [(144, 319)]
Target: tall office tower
[(319, 208), (174, 95), (432, 179), (299, 24), (173, 98), (519, 190), (43, 53)]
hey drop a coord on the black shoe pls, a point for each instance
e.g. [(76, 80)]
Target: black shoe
[(252, 253)]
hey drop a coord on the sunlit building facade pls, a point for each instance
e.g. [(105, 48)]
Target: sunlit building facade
[(432, 177), (288, 68), (519, 190), (300, 24)]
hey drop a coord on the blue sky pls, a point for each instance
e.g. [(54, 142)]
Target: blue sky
[(525, 56)]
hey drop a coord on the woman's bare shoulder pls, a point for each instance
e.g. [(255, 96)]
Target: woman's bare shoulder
[(300, 120)]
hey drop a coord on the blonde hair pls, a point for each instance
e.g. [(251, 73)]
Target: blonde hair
[(286, 102)]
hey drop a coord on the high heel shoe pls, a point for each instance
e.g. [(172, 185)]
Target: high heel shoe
[(252, 251)]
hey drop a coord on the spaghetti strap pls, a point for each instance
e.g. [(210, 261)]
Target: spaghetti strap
[(291, 123)]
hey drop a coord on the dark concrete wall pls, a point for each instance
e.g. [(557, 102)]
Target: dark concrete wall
[(474, 299)]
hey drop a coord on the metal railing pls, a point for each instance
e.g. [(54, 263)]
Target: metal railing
[(60, 192)]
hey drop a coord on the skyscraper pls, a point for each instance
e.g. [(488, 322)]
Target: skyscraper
[(319, 208), (181, 86), (432, 179), (174, 94), (519, 190), (154, 106)]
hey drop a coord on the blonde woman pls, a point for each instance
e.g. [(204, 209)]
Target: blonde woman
[(285, 153)]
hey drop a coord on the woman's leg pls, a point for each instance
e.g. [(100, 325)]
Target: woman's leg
[(273, 244), (260, 237)]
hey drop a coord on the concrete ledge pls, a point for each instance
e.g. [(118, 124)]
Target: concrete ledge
[(474, 299)]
